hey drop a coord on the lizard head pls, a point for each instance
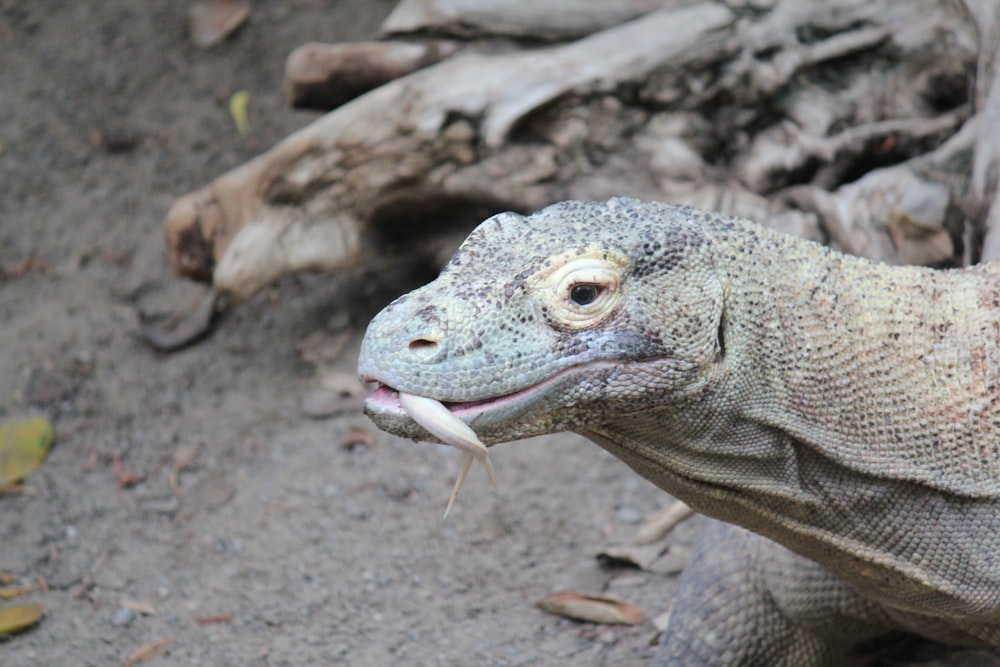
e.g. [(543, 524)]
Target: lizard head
[(575, 316)]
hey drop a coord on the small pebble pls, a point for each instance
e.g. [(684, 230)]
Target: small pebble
[(629, 515), (122, 617)]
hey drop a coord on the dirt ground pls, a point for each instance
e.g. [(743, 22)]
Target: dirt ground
[(308, 553), (276, 544)]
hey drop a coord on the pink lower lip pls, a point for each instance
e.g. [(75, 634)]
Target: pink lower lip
[(387, 398)]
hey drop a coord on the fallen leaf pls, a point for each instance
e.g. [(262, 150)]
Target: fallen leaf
[(26, 265), (209, 620), (658, 524), (211, 491), (15, 592), (17, 488), (24, 444), (184, 457), (591, 608), (660, 622), (150, 650), (647, 557), (640, 556), (126, 478), (211, 22), (183, 328), (20, 617), (138, 606), (356, 435), (239, 110)]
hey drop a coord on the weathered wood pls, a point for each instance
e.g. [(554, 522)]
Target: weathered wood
[(843, 120), (985, 194), (524, 19), (325, 76), (439, 132)]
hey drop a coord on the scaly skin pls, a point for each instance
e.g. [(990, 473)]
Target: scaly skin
[(845, 410)]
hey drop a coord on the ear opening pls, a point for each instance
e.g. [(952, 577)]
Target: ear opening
[(720, 331)]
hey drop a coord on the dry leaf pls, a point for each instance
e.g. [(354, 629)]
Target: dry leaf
[(657, 525), (25, 265), (239, 111), (641, 556), (357, 435), (24, 444), (211, 22), (126, 478), (16, 592), (209, 620), (591, 608), (185, 327), (660, 623), (184, 457), (20, 617), (150, 650), (138, 606)]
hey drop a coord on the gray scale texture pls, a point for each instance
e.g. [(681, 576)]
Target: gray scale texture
[(842, 417)]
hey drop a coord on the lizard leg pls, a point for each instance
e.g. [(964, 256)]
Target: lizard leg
[(745, 600)]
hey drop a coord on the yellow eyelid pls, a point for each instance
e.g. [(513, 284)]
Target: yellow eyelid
[(567, 271)]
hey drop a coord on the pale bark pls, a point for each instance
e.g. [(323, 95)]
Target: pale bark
[(840, 120)]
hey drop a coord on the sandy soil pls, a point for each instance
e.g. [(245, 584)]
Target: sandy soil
[(320, 554), (304, 551)]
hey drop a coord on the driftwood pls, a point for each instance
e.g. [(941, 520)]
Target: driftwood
[(535, 20), (325, 76), (869, 124)]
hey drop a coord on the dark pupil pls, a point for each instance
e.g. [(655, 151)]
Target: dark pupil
[(583, 295)]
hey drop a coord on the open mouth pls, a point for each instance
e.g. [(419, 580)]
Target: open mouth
[(451, 422), (439, 421), (385, 399)]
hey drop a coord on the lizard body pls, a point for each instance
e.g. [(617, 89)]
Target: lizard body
[(847, 411)]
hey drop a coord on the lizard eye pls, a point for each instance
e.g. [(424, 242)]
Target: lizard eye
[(579, 289), (584, 295), (585, 291)]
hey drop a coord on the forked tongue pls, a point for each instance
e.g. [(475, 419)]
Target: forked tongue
[(440, 422)]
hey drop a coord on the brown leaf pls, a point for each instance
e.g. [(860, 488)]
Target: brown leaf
[(183, 328), (150, 650), (658, 524), (26, 265), (211, 22), (126, 478), (15, 592), (357, 435), (20, 617), (641, 556), (209, 620), (138, 606), (24, 443), (184, 457), (591, 608)]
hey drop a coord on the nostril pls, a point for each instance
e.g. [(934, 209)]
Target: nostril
[(422, 345)]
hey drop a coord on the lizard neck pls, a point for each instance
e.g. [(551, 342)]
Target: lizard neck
[(852, 402), (889, 372)]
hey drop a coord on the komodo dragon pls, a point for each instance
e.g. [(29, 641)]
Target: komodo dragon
[(841, 416)]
